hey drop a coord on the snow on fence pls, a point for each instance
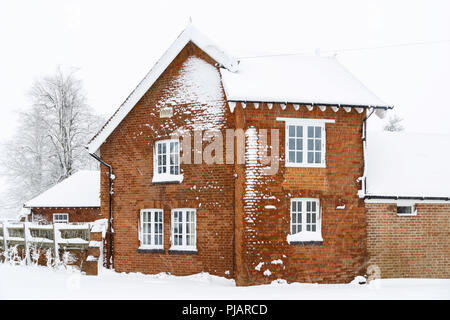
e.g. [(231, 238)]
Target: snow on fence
[(54, 237)]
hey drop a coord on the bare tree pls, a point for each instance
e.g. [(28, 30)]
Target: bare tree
[(67, 118), (393, 124), (48, 145)]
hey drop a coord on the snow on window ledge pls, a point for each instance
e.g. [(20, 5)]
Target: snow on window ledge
[(147, 247), (305, 237), (167, 178), (182, 249), (305, 165)]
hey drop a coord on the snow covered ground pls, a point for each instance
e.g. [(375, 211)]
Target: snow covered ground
[(43, 283)]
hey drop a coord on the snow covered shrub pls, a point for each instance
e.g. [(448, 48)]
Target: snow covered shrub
[(35, 253), (49, 257), (13, 257), (68, 258)]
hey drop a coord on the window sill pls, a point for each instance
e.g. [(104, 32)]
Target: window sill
[(305, 237), (406, 214), (317, 243), (305, 165), (166, 179), (149, 249), (183, 251)]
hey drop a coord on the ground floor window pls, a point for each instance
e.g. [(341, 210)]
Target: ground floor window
[(151, 229), (406, 210), (183, 235), (60, 218), (305, 220)]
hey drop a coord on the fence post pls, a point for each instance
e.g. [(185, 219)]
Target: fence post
[(26, 236), (56, 237), (5, 239)]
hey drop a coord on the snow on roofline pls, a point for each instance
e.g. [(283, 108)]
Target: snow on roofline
[(189, 34), (298, 79), (404, 166), (80, 190)]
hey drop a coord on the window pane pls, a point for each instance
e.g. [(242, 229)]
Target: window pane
[(404, 209), (299, 157), (318, 132), (299, 131), (318, 145), (299, 144), (310, 144), (291, 131), (291, 144), (318, 157), (310, 132), (310, 157), (292, 156)]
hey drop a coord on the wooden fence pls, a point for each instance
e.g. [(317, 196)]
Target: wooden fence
[(55, 236)]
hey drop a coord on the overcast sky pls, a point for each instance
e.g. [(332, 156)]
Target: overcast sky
[(115, 44)]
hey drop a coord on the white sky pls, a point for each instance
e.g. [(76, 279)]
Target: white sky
[(115, 44)]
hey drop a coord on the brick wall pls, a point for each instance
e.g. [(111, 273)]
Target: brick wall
[(261, 232), (75, 214), (409, 247), (207, 188)]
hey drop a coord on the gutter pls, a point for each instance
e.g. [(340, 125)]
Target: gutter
[(368, 197), (110, 205), (315, 104)]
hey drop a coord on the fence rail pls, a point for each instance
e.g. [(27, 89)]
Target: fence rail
[(53, 235)]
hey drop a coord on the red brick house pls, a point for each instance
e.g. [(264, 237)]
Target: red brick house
[(288, 202), (75, 199)]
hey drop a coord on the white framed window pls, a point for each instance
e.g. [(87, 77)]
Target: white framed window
[(406, 210), (184, 227), (166, 166), (306, 220), (151, 229), (305, 144), (60, 218)]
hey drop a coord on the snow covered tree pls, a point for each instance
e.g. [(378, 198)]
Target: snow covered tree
[(393, 124), (49, 143), (67, 118)]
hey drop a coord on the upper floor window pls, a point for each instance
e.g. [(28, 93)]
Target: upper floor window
[(184, 230), (167, 161), (305, 142), (305, 221), (60, 218), (151, 229)]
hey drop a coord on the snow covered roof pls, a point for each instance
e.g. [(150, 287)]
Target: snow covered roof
[(296, 79), (408, 164), (190, 34), (82, 189), (283, 79)]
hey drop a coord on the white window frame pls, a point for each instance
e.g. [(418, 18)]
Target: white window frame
[(183, 246), (166, 176), (410, 205), (305, 123), (61, 220), (314, 235), (152, 233)]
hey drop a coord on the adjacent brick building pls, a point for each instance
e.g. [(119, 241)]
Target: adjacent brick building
[(408, 205), (304, 221), (75, 199)]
